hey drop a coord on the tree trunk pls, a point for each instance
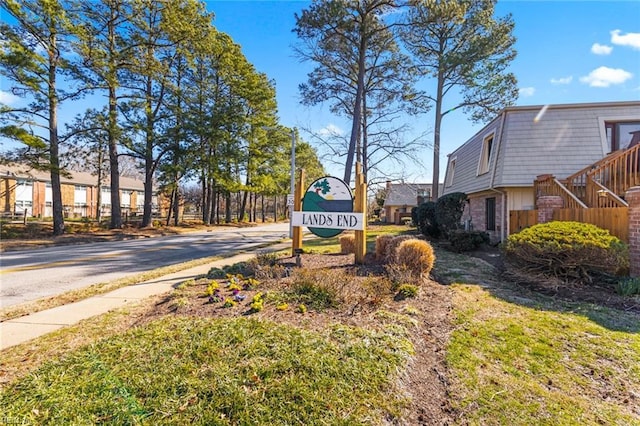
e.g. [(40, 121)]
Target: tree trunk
[(148, 155), (176, 204), (99, 193), (56, 189), (436, 137), (275, 209), (114, 170), (170, 209), (205, 200), (357, 109), (227, 207)]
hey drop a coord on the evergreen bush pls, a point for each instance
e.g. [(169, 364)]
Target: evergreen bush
[(467, 240), (425, 219), (448, 211), (567, 250)]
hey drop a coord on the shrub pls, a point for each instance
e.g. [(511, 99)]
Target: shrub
[(567, 250), (628, 286), (467, 240), (449, 209), (381, 245), (316, 289), (239, 268), (376, 289), (392, 246), (417, 255), (406, 291), (425, 219), (347, 244), (267, 258)]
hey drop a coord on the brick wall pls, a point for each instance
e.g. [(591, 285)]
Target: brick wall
[(476, 211), (546, 204), (633, 198)]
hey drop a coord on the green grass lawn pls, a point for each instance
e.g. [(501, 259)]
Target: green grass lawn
[(210, 372), (543, 364)]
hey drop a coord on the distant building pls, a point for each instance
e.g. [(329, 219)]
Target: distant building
[(402, 197), (27, 190)]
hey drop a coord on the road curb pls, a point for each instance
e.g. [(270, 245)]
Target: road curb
[(23, 329)]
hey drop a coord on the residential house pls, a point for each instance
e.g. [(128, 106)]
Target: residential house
[(402, 197), (567, 146), (28, 191)]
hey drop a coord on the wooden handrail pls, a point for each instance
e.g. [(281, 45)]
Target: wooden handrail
[(619, 173), (549, 185), (600, 196), (614, 174)]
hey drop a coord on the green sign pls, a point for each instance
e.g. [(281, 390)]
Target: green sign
[(327, 194)]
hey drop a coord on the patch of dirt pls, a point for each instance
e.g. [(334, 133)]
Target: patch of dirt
[(599, 293), (425, 380)]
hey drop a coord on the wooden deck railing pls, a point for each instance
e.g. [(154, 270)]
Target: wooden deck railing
[(619, 173), (599, 195), (608, 179), (549, 185)]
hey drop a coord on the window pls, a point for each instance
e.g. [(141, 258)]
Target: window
[(105, 194), (490, 213), (126, 199), (452, 170), (80, 195), (24, 190), (48, 194), (622, 135), (485, 155), (140, 200)]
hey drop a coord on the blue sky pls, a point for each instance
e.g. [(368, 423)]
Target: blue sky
[(568, 52)]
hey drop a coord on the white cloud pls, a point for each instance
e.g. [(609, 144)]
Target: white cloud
[(605, 77), (331, 130), (601, 49), (527, 91), (7, 98), (562, 80), (629, 39)]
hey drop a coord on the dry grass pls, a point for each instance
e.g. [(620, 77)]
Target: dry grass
[(347, 244), (391, 247), (382, 241), (416, 255)]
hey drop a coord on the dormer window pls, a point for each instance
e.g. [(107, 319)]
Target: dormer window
[(485, 155), (451, 172)]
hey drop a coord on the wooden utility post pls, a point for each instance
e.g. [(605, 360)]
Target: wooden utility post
[(360, 206), (297, 206)]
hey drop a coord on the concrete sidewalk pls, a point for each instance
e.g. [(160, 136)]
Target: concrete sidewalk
[(19, 330)]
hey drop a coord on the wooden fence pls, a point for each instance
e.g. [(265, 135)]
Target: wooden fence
[(520, 219), (616, 219)]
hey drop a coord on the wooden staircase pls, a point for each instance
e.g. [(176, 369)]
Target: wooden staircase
[(602, 184)]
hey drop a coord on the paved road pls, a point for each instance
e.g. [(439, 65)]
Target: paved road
[(33, 274)]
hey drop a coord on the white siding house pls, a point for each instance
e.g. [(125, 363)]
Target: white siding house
[(496, 168)]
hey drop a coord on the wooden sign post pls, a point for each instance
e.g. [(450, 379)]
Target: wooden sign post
[(360, 206)]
